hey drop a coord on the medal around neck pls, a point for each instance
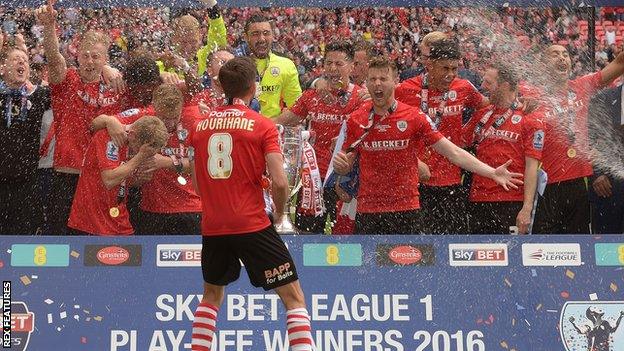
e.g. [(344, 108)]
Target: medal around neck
[(114, 212)]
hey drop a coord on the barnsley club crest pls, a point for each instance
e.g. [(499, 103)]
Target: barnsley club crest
[(592, 326)]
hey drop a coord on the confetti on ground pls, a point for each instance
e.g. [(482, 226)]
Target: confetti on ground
[(49, 318), (539, 307), (593, 296), (74, 254), (63, 315), (25, 280), (507, 282), (48, 301), (565, 294), (570, 274), (533, 273), (98, 318), (614, 287), (34, 277), (83, 340), (504, 345)]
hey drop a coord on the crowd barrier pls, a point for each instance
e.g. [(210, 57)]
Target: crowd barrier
[(364, 293)]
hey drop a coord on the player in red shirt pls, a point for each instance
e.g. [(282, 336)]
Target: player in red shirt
[(99, 206), (78, 95), (324, 115), (211, 98), (169, 204), (388, 135), (500, 132), (443, 97), (564, 206), (233, 147)]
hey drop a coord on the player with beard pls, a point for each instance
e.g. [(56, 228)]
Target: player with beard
[(23, 106), (278, 79), (325, 116), (387, 135), (500, 132), (233, 148), (443, 97), (78, 95), (564, 206)]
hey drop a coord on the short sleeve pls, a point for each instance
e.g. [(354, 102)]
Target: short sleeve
[(533, 136), (107, 153)]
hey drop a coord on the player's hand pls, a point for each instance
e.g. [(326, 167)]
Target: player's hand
[(523, 220), (323, 90), (146, 151), (342, 195), (602, 186), (209, 3), (117, 132), (507, 179), (113, 79), (343, 162), (171, 78), (161, 162), (46, 15), (203, 108), (20, 43), (278, 218), (529, 105), (363, 94)]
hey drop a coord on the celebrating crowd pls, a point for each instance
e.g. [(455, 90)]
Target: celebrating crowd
[(421, 120)]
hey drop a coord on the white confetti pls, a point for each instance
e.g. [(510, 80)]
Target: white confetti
[(77, 307), (48, 301), (593, 297), (49, 318), (77, 317), (552, 311), (9, 251), (59, 329), (63, 315), (34, 277)]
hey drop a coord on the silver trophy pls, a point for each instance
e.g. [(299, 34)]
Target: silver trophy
[(291, 142)]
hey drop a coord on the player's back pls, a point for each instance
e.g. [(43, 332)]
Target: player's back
[(230, 147)]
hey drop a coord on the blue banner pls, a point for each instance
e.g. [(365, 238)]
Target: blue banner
[(371, 293), (316, 3)]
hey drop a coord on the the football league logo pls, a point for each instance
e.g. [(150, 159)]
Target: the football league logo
[(592, 325)]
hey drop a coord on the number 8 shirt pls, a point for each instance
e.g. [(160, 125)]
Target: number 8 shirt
[(229, 148)]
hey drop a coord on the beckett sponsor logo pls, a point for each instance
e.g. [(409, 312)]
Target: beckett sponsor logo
[(177, 255), (112, 255), (405, 255), (478, 255), (551, 255)]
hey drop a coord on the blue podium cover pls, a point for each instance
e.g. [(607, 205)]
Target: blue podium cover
[(364, 293)]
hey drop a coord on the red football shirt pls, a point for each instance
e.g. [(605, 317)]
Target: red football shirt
[(92, 201), (325, 120), (461, 95), (75, 104), (389, 157), (209, 97), (556, 161), (163, 194), (230, 147), (521, 135)]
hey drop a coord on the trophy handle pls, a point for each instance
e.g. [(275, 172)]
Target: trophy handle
[(291, 141)]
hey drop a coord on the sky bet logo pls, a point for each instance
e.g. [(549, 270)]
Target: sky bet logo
[(175, 255), (478, 255)]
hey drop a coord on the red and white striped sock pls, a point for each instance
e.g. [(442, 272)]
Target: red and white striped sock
[(299, 330), (204, 326)]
